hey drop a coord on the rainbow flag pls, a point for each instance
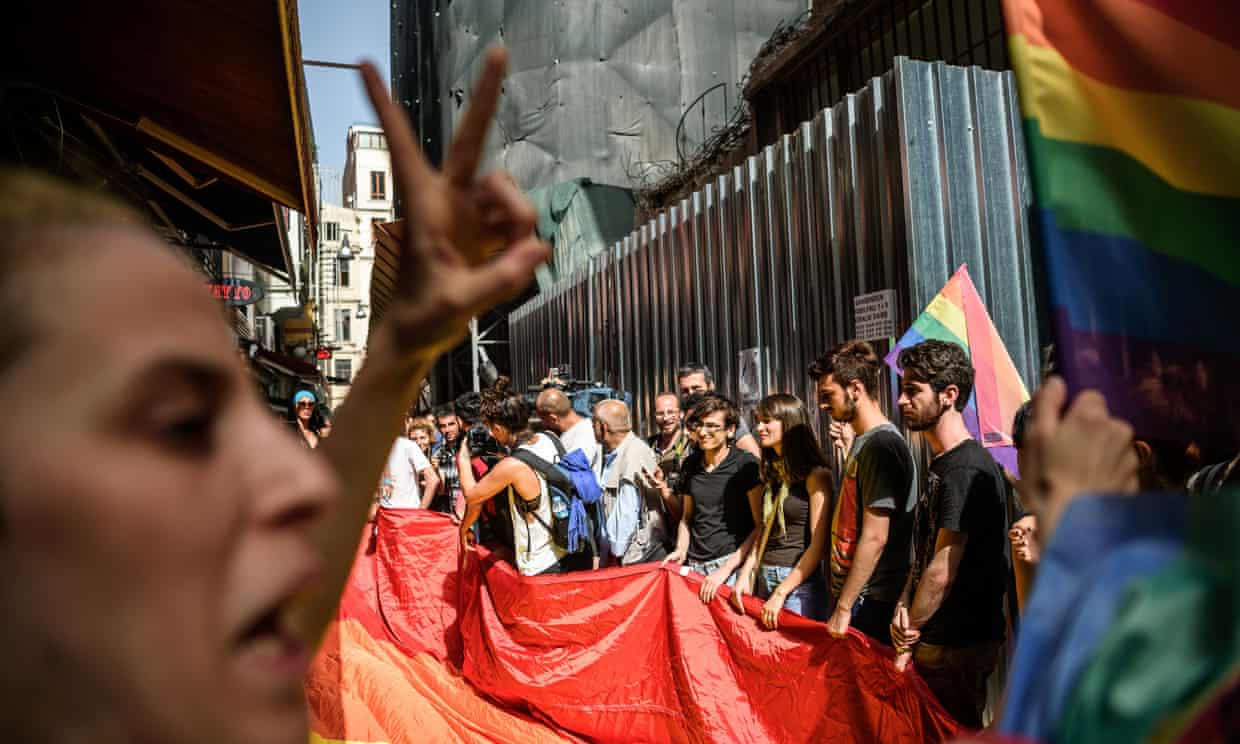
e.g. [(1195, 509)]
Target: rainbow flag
[(1132, 122), (432, 646), (957, 314)]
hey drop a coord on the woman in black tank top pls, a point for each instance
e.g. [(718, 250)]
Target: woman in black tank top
[(790, 513)]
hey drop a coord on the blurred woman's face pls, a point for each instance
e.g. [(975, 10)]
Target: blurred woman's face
[(155, 516), (305, 409), (421, 438)]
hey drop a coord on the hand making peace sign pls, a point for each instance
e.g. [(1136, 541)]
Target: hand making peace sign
[(454, 222)]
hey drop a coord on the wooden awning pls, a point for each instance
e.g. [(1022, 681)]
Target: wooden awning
[(383, 272), (194, 110)]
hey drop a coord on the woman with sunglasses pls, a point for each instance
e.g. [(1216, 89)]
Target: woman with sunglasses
[(790, 515), (304, 404)]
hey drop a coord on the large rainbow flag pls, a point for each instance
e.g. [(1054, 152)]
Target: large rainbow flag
[(430, 648), (1133, 630), (957, 314), (1132, 123)]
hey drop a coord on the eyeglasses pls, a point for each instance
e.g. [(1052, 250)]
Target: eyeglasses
[(707, 428), (305, 404)]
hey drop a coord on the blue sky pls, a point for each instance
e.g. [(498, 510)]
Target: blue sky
[(341, 31)]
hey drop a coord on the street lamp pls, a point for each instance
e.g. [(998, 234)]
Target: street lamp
[(346, 252)]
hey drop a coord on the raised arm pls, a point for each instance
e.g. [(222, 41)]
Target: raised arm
[(455, 221)]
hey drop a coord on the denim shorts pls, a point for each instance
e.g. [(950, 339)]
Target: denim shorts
[(708, 567), (807, 600)]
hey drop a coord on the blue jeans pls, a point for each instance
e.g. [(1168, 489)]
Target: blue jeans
[(807, 600), (708, 567)]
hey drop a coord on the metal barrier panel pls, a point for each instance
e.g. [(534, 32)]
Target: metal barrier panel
[(669, 280), (708, 292), (779, 288), (655, 276), (689, 281), (893, 188)]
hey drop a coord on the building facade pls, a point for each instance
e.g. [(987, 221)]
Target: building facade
[(346, 255)]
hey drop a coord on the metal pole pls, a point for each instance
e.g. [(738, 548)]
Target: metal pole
[(473, 352)]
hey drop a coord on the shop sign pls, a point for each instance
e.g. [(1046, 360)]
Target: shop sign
[(236, 292)]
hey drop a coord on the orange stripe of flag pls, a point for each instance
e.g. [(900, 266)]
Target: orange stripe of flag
[(1136, 47)]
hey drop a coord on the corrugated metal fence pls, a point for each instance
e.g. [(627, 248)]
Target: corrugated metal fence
[(892, 188)]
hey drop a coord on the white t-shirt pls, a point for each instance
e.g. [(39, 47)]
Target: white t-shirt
[(581, 436), (535, 548), (400, 488)]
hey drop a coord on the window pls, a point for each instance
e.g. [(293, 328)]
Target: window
[(342, 276), (378, 185), (343, 325), (371, 141), (331, 231), (261, 330), (344, 369)]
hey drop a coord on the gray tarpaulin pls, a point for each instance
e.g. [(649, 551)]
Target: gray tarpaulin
[(596, 88), (580, 219)]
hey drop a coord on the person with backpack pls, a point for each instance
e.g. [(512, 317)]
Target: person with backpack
[(547, 492)]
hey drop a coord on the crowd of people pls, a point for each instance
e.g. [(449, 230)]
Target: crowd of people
[(843, 531), (857, 540), (173, 556)]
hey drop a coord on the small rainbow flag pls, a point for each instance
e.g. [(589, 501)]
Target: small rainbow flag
[(957, 314), (1132, 123)]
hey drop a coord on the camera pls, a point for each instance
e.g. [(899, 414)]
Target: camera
[(482, 444), (584, 394)]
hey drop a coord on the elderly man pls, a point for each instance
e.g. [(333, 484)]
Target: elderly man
[(575, 431), (635, 522)]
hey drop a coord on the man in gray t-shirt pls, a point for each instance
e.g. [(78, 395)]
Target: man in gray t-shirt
[(871, 527)]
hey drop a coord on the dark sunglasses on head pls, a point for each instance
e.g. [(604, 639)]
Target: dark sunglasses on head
[(305, 404)]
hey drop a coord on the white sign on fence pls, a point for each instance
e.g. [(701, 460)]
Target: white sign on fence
[(874, 315)]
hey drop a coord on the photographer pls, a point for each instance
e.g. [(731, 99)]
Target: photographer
[(506, 415), (494, 527)]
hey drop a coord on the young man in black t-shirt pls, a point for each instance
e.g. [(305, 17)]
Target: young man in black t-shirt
[(951, 616), (871, 526)]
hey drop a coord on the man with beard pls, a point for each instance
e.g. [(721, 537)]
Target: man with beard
[(444, 457), (871, 527), (950, 618), (670, 441)]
